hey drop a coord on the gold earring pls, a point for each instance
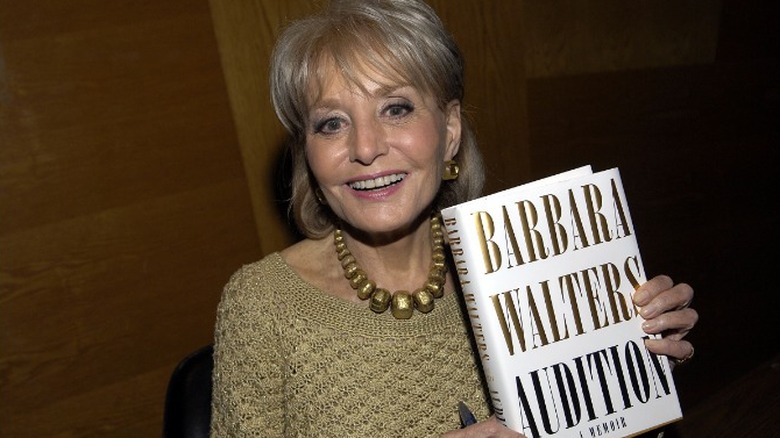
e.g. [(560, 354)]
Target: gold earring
[(320, 196), (451, 170)]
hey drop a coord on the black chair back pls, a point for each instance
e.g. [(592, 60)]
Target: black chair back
[(188, 398)]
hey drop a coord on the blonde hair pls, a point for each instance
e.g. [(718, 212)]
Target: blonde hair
[(405, 40)]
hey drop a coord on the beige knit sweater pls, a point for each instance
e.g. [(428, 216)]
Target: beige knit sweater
[(292, 361)]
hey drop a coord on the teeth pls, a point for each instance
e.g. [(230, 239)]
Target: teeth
[(377, 183)]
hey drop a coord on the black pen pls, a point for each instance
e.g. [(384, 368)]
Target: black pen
[(467, 418)]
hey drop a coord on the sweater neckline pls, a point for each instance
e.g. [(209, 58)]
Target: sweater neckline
[(311, 302)]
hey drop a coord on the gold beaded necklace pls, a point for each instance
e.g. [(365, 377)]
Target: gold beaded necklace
[(401, 302)]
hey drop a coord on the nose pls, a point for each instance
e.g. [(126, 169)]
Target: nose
[(367, 142)]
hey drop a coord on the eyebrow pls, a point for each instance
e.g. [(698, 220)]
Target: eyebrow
[(385, 90), (381, 91)]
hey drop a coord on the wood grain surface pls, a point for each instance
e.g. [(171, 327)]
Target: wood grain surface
[(124, 208)]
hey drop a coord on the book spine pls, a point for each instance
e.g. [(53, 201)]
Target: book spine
[(464, 254)]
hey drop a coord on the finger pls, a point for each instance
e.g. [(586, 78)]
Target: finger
[(677, 321), (679, 350), (488, 428), (675, 298), (651, 288), (684, 294)]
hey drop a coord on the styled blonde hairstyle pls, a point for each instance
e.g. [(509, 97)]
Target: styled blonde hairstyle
[(407, 42)]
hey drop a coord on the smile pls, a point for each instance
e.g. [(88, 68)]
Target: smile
[(378, 183)]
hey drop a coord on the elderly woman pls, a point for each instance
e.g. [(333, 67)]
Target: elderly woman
[(321, 339)]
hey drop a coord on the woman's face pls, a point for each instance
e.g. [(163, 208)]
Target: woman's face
[(378, 156)]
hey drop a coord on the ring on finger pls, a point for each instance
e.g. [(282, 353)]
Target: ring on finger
[(686, 358)]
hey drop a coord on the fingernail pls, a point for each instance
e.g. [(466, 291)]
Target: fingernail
[(649, 326), (640, 297), (648, 311)]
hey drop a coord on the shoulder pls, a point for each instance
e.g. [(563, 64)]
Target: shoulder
[(253, 281), (249, 299), (300, 255), (315, 262), (250, 274), (277, 271)]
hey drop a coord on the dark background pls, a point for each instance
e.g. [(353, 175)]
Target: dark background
[(698, 150)]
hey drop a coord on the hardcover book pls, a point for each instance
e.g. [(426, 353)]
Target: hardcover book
[(547, 271)]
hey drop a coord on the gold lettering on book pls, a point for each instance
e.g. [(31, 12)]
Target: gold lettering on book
[(592, 288), (598, 223), (508, 308), (621, 221), (570, 285), (577, 229), (491, 254), (523, 239), (559, 238), (461, 268), (600, 292), (529, 220)]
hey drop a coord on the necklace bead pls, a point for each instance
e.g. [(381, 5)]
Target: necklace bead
[(401, 302)]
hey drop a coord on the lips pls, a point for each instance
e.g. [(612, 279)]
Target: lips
[(377, 183)]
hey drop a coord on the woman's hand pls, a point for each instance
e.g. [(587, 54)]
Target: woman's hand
[(665, 308), (488, 428)]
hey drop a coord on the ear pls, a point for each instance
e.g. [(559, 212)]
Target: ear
[(453, 120)]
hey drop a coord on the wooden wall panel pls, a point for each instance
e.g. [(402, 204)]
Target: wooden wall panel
[(490, 35), (567, 37), (123, 209), (246, 32)]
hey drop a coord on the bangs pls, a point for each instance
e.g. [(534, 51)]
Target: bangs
[(392, 43), (361, 51)]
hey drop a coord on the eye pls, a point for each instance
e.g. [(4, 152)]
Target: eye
[(329, 126), (399, 109)]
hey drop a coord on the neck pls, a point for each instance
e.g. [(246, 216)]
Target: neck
[(404, 299), (394, 260)]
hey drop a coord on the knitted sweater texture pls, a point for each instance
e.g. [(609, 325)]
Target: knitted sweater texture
[(293, 361)]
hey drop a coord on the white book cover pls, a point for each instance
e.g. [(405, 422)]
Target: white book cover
[(547, 271)]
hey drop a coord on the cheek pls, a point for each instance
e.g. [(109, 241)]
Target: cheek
[(428, 144), (314, 153), (437, 154), (324, 163), (314, 163)]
